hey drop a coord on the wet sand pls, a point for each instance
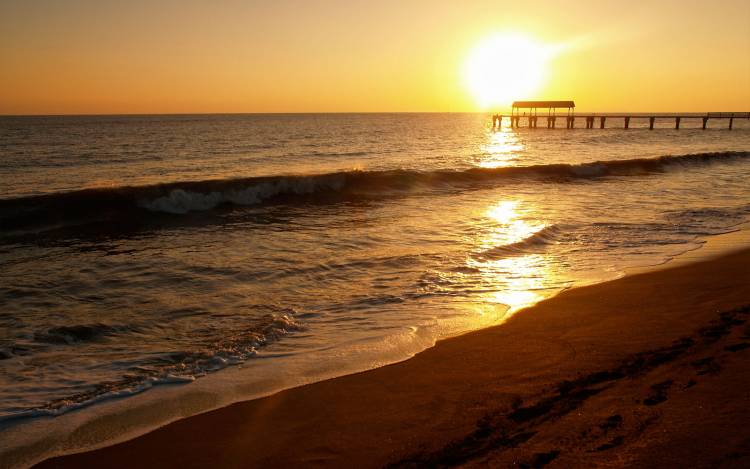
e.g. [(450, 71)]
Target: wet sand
[(646, 371)]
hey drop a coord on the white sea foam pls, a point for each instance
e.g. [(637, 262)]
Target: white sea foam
[(233, 348), (180, 201)]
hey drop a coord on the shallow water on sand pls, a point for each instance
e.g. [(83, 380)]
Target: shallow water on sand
[(146, 250)]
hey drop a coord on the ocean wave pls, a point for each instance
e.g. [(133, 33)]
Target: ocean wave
[(174, 367), (63, 209), (241, 192), (535, 241), (707, 220)]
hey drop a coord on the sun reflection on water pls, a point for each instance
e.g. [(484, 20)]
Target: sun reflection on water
[(511, 276), (501, 149), (522, 278), (507, 225)]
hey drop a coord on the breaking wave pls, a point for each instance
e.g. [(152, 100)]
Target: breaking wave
[(535, 241), (62, 209)]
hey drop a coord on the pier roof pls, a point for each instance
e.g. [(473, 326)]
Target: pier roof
[(544, 104)]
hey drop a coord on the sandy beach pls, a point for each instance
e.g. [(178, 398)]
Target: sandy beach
[(645, 371)]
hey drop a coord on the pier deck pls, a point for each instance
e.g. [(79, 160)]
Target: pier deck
[(591, 120)]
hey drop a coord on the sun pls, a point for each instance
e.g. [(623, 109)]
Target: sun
[(505, 67)]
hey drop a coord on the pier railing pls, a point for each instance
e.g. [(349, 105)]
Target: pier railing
[(531, 120)]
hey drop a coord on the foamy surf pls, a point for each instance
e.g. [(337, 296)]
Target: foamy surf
[(169, 368)]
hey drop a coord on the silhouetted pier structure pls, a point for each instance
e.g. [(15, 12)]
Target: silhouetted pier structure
[(531, 117)]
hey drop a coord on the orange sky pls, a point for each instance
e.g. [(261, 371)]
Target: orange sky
[(74, 57)]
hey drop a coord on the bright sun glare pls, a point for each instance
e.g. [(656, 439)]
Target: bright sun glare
[(505, 67)]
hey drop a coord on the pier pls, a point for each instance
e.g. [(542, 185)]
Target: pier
[(530, 118)]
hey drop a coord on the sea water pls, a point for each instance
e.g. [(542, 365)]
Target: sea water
[(241, 254)]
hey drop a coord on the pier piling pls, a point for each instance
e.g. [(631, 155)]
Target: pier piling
[(570, 119)]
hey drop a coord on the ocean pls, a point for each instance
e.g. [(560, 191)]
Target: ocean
[(205, 259)]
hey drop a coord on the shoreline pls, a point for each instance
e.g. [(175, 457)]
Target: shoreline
[(446, 377), (116, 420)]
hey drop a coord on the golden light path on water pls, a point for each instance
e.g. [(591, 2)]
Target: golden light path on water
[(521, 279), (501, 149), (522, 275)]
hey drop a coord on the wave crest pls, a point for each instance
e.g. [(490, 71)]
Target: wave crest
[(180, 201), (183, 197), (536, 241)]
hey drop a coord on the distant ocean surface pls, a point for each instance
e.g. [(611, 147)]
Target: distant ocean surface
[(139, 251)]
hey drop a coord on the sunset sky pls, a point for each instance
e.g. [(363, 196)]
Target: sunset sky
[(80, 57)]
